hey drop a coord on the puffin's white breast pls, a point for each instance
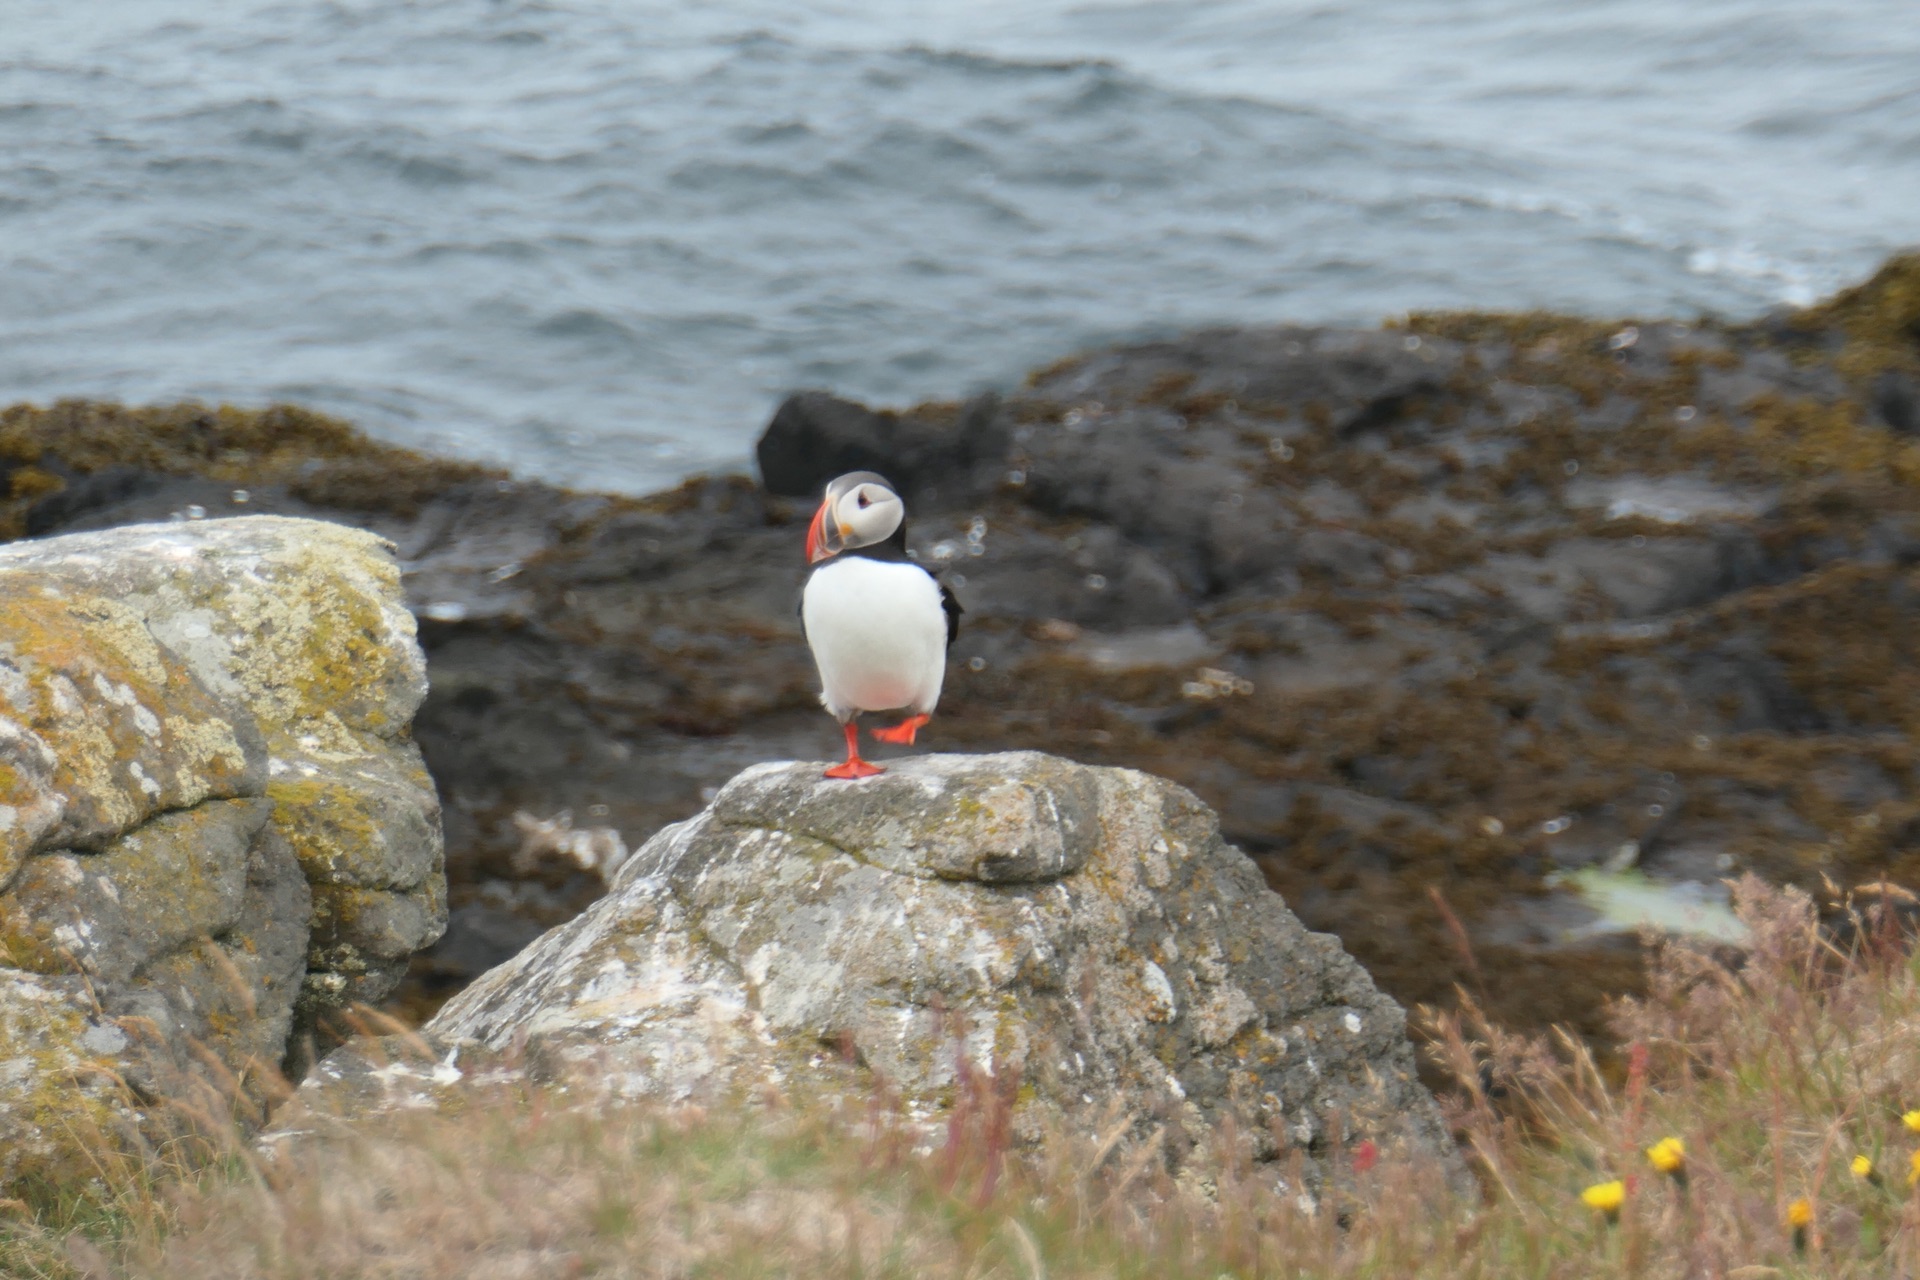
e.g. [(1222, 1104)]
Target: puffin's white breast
[(878, 634)]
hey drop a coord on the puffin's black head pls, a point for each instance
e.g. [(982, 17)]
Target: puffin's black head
[(860, 509)]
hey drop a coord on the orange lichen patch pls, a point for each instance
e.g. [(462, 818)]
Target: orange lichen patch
[(338, 646), (27, 941), (349, 644), (29, 808), (129, 730), (352, 827)]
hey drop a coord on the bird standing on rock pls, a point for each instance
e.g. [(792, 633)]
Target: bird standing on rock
[(878, 624)]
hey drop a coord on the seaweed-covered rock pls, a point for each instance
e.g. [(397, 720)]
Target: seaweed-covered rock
[(203, 748), (1084, 930)]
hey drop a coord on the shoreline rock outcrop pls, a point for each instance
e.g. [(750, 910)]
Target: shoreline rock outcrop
[(214, 826), (1084, 932), (1471, 603)]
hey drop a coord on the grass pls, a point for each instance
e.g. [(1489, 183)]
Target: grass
[(1752, 1126)]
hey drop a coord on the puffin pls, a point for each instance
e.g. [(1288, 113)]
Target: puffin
[(878, 624)]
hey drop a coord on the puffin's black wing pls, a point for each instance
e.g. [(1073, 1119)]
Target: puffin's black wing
[(953, 610)]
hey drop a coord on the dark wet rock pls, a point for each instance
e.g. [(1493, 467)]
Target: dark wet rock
[(1351, 380), (931, 453), (479, 936), (1749, 689), (1625, 829), (1896, 399), (1391, 602), (1183, 495), (1095, 578), (114, 489)]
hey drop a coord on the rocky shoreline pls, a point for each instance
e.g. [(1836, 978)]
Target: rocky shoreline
[(1430, 614)]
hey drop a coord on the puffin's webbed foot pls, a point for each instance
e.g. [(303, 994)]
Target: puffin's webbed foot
[(853, 766), (901, 733)]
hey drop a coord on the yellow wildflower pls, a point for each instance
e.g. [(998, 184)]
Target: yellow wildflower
[(1799, 1214), (1862, 1167), (1605, 1197), (1913, 1169), (1912, 1120), (1669, 1155)]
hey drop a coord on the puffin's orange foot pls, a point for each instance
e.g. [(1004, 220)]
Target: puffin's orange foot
[(854, 768), (902, 732)]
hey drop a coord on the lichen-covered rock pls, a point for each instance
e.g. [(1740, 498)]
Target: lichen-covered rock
[(104, 726), (59, 1094), (196, 721), (300, 629), (1085, 928)]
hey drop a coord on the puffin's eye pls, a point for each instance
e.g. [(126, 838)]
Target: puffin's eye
[(865, 502)]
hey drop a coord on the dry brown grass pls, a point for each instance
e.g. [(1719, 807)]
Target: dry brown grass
[(1774, 1068)]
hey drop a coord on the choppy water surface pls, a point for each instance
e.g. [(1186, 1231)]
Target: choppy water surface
[(597, 239)]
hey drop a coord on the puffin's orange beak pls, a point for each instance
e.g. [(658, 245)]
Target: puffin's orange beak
[(819, 540)]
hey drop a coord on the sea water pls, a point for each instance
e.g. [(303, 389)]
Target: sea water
[(597, 240)]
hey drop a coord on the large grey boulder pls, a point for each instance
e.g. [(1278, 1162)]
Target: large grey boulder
[(213, 822), (1086, 928)]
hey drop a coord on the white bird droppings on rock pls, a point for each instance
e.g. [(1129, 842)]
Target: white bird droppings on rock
[(1160, 1003)]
